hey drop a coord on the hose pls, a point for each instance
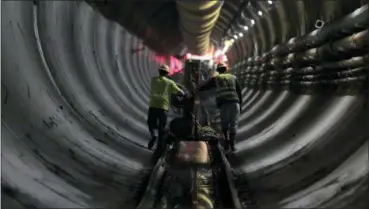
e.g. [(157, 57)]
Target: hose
[(197, 19)]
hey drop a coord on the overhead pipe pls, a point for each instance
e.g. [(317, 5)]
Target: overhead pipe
[(197, 19), (355, 45), (352, 23), (340, 65)]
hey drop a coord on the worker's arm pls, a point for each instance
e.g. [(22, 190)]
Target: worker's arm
[(208, 85), (176, 90), (239, 93)]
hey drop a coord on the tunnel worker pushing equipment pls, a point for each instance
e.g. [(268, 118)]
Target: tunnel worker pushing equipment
[(161, 90), (229, 100)]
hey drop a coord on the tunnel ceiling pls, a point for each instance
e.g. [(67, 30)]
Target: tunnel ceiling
[(75, 97), (228, 14), (152, 21), (281, 21)]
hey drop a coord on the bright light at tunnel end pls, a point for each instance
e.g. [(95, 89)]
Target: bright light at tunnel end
[(218, 52), (188, 56), (217, 57)]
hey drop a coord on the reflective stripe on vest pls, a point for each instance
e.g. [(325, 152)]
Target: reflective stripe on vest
[(226, 86)]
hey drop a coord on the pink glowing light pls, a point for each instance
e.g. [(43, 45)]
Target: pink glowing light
[(175, 64), (160, 60), (218, 53), (223, 58)]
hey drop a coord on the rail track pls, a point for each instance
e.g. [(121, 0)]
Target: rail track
[(191, 174)]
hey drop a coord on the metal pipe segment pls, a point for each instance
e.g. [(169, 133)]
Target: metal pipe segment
[(197, 19), (74, 102)]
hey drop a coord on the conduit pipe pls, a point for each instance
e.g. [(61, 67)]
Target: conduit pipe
[(197, 19)]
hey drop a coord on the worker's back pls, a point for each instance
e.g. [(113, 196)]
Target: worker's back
[(161, 89), (226, 88)]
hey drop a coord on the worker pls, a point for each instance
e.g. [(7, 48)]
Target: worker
[(161, 90), (229, 100)]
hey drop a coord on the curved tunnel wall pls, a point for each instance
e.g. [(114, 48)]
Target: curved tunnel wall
[(305, 100), (74, 100), (73, 105), (284, 20)]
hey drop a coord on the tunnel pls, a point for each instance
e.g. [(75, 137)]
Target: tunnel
[(75, 84)]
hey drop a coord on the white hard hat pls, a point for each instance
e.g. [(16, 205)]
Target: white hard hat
[(164, 68)]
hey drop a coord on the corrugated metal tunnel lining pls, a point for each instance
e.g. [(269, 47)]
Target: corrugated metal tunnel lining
[(74, 101)]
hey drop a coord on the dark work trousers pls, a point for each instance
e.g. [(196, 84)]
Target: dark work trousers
[(229, 114), (157, 120)]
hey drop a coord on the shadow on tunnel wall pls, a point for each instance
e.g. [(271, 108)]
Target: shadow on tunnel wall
[(155, 22)]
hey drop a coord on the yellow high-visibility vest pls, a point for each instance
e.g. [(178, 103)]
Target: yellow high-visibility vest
[(226, 87), (161, 90)]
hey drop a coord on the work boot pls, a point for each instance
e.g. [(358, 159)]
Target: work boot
[(151, 142), (232, 139)]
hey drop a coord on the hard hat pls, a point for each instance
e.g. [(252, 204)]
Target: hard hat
[(220, 66), (164, 68)]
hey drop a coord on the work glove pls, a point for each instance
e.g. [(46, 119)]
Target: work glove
[(186, 95), (179, 98)]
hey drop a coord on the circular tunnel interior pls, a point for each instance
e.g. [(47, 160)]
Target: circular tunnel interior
[(75, 86)]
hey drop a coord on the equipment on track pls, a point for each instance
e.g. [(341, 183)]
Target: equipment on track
[(191, 169)]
